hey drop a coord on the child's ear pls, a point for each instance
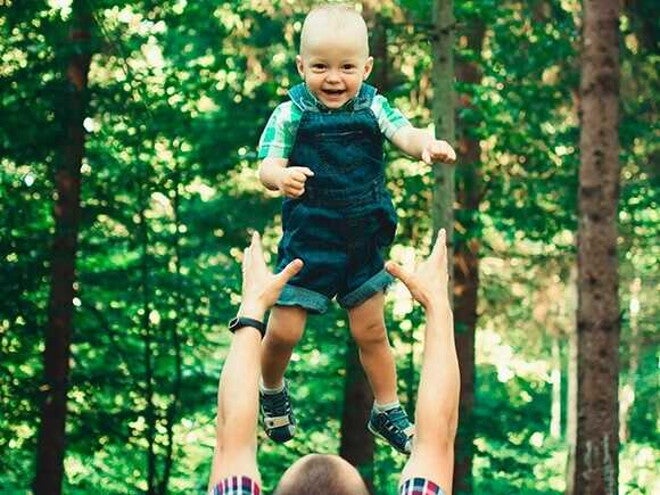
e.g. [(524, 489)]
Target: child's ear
[(300, 66), (368, 66)]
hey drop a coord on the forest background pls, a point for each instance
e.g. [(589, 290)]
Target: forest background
[(175, 97)]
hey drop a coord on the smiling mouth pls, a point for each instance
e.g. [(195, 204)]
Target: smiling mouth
[(333, 92)]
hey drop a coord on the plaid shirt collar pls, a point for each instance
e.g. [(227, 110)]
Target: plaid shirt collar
[(320, 106)]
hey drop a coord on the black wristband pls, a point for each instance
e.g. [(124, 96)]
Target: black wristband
[(242, 321)]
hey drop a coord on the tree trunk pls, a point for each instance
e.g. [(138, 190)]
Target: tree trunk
[(175, 338), (627, 395), (442, 209), (51, 442), (357, 444), (597, 446), (466, 265), (150, 413), (555, 381), (443, 117), (571, 384)]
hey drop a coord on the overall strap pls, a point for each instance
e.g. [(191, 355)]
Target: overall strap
[(364, 97), (302, 99)]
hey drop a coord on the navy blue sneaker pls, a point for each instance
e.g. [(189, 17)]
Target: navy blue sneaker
[(393, 426), (277, 415)]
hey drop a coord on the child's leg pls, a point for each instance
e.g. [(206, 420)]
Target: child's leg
[(285, 327), (368, 329), (388, 419)]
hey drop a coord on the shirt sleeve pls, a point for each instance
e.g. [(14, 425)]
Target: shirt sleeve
[(236, 485), (390, 119), (280, 132), (420, 486)]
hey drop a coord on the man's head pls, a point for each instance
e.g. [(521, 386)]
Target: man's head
[(334, 53), (321, 473)]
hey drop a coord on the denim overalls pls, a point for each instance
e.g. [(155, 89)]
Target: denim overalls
[(345, 219)]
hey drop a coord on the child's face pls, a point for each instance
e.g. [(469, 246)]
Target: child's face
[(334, 68)]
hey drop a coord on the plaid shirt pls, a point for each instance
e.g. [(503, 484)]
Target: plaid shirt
[(420, 486), (236, 485), (280, 133), (245, 486)]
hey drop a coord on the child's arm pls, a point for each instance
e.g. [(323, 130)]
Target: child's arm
[(276, 176), (420, 143)]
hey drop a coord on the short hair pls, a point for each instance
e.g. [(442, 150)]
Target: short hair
[(336, 16), (321, 474)]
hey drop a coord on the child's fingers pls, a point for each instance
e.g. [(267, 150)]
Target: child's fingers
[(294, 192), (299, 178), (446, 152), (426, 156), (305, 171)]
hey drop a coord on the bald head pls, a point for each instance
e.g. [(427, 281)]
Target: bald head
[(334, 474), (334, 23)]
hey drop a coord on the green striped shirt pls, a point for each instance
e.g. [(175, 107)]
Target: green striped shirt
[(280, 133)]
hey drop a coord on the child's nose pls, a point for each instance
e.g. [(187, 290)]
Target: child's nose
[(333, 75)]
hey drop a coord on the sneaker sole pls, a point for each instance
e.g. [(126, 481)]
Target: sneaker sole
[(279, 440)]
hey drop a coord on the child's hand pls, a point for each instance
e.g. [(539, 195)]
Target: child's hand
[(438, 151), (292, 181)]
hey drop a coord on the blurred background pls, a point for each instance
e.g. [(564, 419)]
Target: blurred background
[(128, 134)]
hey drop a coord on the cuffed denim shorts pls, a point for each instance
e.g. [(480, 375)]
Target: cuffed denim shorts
[(342, 242)]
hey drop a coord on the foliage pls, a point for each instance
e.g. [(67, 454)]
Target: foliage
[(178, 94)]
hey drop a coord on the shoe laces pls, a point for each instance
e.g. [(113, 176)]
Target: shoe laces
[(397, 419), (277, 404)]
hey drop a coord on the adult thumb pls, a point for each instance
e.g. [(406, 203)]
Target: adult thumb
[(290, 270), (397, 271)]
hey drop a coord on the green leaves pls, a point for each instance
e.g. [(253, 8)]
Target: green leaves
[(178, 95)]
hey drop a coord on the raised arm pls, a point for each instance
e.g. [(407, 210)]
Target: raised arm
[(238, 397), (420, 143), (436, 414)]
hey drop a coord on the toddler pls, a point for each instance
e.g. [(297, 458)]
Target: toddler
[(323, 150)]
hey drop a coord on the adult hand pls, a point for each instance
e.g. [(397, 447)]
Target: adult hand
[(261, 287), (438, 151), (292, 181), (429, 281)]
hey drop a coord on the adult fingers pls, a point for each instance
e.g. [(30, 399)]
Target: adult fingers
[(289, 271), (245, 262), (398, 271), (440, 246), (255, 245)]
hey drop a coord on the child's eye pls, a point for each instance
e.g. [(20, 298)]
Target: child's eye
[(318, 67), (349, 67)]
